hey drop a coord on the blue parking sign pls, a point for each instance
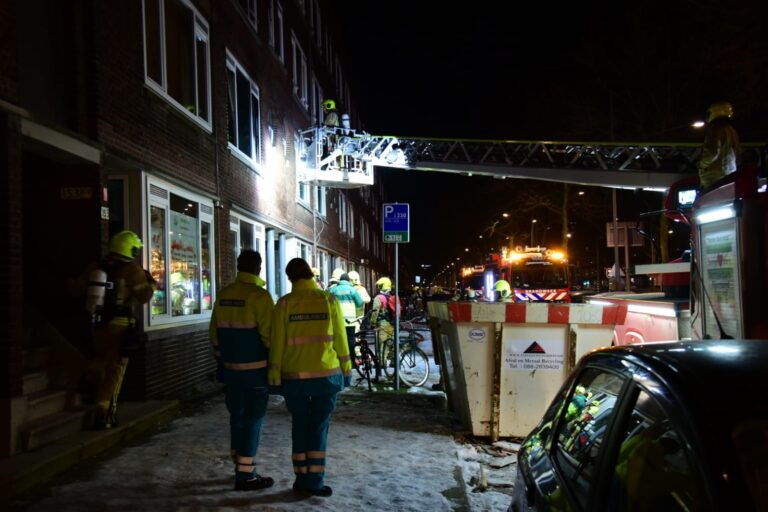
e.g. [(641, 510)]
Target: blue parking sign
[(396, 222)]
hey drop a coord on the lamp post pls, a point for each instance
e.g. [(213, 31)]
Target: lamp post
[(533, 222)]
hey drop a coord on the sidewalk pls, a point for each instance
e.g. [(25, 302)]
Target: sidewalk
[(387, 451)]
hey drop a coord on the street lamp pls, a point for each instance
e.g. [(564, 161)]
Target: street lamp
[(533, 222)]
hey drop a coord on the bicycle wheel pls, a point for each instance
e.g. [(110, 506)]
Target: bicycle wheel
[(414, 367), (388, 358), (366, 366), (361, 346)]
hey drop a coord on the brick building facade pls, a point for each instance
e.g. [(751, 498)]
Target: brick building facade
[(179, 120)]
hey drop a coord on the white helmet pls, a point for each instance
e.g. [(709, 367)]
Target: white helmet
[(354, 277)]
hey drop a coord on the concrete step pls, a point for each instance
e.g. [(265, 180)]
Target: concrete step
[(36, 358), (51, 428), (45, 403), (34, 382)]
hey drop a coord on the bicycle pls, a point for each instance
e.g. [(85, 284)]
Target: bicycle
[(413, 368), (366, 361)]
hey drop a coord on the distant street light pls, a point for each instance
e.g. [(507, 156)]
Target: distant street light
[(698, 124), (505, 215), (533, 222)]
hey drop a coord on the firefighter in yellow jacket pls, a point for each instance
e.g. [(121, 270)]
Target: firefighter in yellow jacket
[(309, 363), (128, 285), (240, 331)]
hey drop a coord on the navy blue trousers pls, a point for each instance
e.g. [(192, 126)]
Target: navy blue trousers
[(247, 406), (311, 417)]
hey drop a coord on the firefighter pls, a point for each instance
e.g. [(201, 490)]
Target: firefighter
[(331, 115), (721, 145), (318, 279), (354, 278), (335, 276), (115, 328), (503, 290), (308, 364), (382, 315), (240, 329)]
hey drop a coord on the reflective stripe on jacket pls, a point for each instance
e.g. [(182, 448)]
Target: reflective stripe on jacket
[(309, 352), (240, 328)]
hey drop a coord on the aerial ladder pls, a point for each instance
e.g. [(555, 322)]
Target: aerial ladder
[(344, 158)]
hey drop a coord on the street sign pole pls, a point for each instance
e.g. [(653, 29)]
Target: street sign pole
[(397, 229), (397, 320)]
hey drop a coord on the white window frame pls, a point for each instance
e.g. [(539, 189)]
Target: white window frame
[(254, 159), (342, 213), (259, 233), (154, 198), (321, 201), (276, 30), (351, 222), (299, 71), (251, 13), (202, 32), (303, 188)]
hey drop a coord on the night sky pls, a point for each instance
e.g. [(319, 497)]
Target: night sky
[(577, 71)]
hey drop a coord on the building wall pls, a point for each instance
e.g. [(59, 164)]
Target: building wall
[(142, 137)]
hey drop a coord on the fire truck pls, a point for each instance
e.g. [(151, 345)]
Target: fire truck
[(535, 274), (727, 269)]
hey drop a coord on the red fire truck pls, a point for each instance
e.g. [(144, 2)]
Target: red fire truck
[(728, 268), (535, 274)]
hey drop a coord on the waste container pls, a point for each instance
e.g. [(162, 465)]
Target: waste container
[(502, 363)]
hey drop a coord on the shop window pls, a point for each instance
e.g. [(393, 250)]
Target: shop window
[(176, 55), (181, 254)]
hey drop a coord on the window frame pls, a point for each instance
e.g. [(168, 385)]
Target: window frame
[(251, 13), (299, 74), (254, 160), (204, 203), (259, 232), (321, 201), (200, 29)]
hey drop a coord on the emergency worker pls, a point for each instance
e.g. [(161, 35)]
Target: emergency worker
[(335, 276), (721, 145), (382, 316), (309, 364), (349, 300), (503, 290), (331, 114), (240, 328), (318, 280), (354, 278), (115, 325)]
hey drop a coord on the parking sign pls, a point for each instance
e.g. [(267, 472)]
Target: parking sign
[(396, 223)]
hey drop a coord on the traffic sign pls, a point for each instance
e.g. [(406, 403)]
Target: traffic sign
[(396, 223)]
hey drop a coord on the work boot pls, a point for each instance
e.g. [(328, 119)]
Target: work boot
[(101, 421), (324, 492), (254, 484)]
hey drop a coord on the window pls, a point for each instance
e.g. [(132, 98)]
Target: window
[(351, 221), (245, 234), (318, 25), (181, 253), (176, 56), (249, 9), (276, 35), (321, 205), (583, 426), (342, 213), (299, 71), (654, 470), (303, 188), (244, 125)]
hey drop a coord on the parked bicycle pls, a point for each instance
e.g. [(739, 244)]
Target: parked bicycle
[(366, 360), (413, 368)]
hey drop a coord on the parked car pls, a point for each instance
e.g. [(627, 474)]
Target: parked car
[(656, 427)]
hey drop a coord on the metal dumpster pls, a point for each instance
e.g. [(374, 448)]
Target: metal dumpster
[(502, 363)]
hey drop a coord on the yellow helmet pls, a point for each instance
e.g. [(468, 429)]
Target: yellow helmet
[(502, 286), (126, 244), (354, 277), (329, 105), (719, 109), (384, 283), (316, 271)]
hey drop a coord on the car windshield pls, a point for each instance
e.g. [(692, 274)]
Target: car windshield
[(534, 277), (751, 441)]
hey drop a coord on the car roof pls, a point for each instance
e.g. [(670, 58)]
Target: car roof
[(713, 375)]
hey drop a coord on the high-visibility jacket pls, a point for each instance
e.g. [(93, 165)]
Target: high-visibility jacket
[(349, 299), (309, 354), (363, 295), (240, 328)]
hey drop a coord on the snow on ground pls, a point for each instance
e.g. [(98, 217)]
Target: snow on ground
[(386, 452)]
